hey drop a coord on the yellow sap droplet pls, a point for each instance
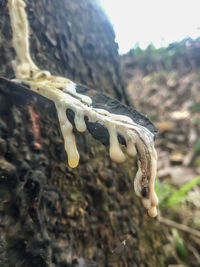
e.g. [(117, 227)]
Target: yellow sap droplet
[(153, 212), (116, 154), (73, 161)]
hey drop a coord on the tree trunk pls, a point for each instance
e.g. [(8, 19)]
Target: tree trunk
[(50, 214)]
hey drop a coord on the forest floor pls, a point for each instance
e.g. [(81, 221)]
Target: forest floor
[(172, 101)]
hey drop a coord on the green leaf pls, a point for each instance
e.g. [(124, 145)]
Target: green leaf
[(163, 191), (195, 108), (180, 195), (196, 146), (180, 246)]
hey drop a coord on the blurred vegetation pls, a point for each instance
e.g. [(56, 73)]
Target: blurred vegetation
[(164, 83), (180, 246), (169, 195), (177, 55), (195, 108), (171, 202)]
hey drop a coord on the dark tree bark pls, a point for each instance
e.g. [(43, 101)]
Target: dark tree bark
[(50, 214)]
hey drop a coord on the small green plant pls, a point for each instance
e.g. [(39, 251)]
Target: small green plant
[(197, 162), (195, 107), (163, 190), (196, 146), (170, 196), (153, 117), (180, 245)]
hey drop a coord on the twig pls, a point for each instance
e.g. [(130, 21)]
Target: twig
[(179, 226)]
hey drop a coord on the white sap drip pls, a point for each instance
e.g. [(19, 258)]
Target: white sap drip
[(115, 124), (116, 153), (71, 88), (137, 181), (130, 144), (154, 198), (80, 122), (63, 93), (69, 138)]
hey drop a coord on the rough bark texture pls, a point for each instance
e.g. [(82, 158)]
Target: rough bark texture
[(51, 215)]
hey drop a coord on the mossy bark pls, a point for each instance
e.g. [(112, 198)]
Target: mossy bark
[(50, 214)]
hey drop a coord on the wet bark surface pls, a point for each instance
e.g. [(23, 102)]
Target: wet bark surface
[(50, 214)]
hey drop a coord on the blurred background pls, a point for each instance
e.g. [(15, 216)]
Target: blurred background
[(159, 44)]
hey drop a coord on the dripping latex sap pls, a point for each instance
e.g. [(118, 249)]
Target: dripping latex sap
[(63, 93)]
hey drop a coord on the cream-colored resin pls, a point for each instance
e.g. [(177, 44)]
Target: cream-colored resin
[(63, 93)]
